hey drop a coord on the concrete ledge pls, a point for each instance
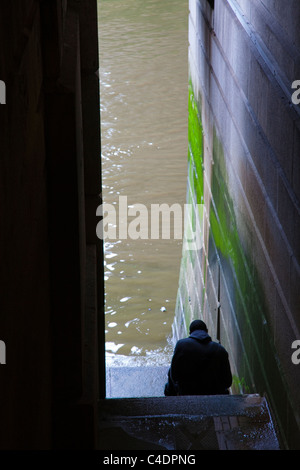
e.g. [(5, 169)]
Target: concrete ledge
[(228, 422), (196, 406), (132, 382)]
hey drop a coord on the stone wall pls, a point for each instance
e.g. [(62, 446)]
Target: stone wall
[(243, 167)]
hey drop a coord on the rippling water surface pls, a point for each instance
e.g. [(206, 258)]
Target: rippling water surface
[(144, 85)]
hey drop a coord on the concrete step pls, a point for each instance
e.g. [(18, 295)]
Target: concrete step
[(228, 422), (133, 382)]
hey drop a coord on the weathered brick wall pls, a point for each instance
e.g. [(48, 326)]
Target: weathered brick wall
[(244, 145)]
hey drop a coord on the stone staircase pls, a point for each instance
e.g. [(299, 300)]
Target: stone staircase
[(146, 420)]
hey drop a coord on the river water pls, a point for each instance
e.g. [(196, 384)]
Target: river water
[(144, 99)]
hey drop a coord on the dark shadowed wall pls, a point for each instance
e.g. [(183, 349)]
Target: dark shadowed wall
[(51, 288)]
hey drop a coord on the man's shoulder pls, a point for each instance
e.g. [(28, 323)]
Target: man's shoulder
[(183, 342), (218, 347)]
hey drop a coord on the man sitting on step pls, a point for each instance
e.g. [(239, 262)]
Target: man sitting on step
[(199, 365)]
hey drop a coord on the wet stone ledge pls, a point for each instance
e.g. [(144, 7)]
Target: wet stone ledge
[(234, 422), (125, 382)]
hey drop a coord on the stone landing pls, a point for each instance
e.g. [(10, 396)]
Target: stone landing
[(232, 422), (133, 382)]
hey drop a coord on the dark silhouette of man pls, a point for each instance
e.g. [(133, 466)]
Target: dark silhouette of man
[(199, 365)]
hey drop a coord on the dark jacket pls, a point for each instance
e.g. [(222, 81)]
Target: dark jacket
[(199, 367)]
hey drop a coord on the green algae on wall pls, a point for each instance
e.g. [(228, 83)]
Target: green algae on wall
[(186, 310), (257, 366), (195, 151), (244, 330)]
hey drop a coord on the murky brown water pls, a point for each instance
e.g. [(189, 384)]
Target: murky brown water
[(144, 87)]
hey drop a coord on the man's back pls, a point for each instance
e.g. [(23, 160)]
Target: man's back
[(200, 366)]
